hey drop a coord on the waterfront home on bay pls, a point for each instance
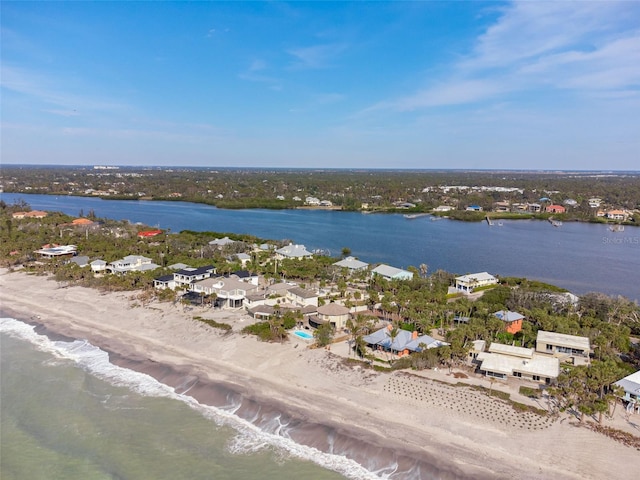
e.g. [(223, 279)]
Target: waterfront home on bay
[(467, 283), (352, 264), (391, 273), (293, 251), (504, 361), (567, 348)]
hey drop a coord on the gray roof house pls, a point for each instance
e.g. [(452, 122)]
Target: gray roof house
[(352, 264), (403, 343), (568, 348), (98, 265), (221, 242), (391, 273), (293, 251), (503, 361)]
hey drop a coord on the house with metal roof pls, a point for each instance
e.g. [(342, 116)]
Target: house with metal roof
[(567, 348), (631, 386), (404, 342), (504, 361), (391, 273), (352, 264), (512, 320), (221, 242), (293, 251)]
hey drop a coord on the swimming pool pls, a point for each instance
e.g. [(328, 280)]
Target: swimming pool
[(303, 335)]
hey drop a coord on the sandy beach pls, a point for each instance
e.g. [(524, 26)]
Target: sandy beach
[(458, 432)]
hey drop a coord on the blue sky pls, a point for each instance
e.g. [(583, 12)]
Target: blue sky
[(535, 85)]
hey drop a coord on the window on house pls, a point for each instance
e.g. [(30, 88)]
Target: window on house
[(549, 348), (536, 378)]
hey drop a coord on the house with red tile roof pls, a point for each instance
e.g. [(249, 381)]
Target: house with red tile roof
[(556, 209)]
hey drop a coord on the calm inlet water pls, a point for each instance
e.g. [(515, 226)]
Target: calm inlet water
[(67, 413), (578, 256)]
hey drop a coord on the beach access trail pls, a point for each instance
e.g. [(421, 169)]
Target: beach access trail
[(461, 431)]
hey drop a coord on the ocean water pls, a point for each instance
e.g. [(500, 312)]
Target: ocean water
[(69, 410), (68, 413)]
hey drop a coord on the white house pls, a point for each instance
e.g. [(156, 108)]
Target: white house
[(301, 297), (98, 266), (504, 361), (631, 386), (567, 348), (391, 273), (132, 263), (466, 283), (229, 291), (189, 275)]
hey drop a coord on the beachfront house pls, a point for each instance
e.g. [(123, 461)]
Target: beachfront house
[(333, 313), (400, 342), (391, 273), (301, 297), (504, 361), (132, 263), (53, 251), (567, 348), (631, 386), (467, 283), (512, 320), (98, 266), (293, 251), (230, 291), (187, 276), (80, 260)]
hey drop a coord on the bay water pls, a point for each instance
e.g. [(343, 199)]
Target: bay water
[(580, 257)]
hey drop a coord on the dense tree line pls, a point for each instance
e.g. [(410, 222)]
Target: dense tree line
[(348, 189)]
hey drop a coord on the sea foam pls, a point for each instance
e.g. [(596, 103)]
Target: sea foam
[(250, 438)]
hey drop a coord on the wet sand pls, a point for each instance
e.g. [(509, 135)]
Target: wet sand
[(430, 429)]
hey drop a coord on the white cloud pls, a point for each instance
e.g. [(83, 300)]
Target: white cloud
[(48, 91), (584, 47), (317, 56)]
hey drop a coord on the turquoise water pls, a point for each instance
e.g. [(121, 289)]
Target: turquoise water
[(304, 335), (67, 413)]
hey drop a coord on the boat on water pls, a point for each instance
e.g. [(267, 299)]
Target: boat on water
[(489, 221), (411, 216), (616, 228), (555, 223)]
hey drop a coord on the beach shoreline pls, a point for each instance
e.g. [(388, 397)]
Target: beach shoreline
[(312, 387)]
